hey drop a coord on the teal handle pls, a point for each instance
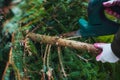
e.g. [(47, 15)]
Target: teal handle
[(89, 30), (98, 24)]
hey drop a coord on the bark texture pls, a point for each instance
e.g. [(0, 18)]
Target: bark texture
[(63, 42)]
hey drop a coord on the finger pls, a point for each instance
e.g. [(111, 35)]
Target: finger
[(98, 57), (118, 16), (108, 3)]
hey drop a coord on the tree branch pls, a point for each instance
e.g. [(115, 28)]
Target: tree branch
[(63, 42)]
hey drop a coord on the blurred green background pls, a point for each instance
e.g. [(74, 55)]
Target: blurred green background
[(23, 59)]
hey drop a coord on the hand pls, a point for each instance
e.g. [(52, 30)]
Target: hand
[(111, 3), (106, 55)]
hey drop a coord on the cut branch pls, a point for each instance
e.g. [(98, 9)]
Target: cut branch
[(63, 42)]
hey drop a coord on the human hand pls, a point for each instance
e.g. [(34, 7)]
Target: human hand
[(111, 3), (106, 55)]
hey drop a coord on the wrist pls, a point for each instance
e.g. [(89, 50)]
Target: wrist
[(113, 54)]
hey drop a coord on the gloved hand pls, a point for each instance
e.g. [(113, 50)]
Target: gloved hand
[(106, 55), (111, 3)]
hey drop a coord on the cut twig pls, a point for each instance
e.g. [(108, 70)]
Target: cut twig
[(69, 34), (63, 42), (61, 64), (48, 56), (45, 55), (11, 62), (44, 61), (7, 65), (82, 58), (49, 72)]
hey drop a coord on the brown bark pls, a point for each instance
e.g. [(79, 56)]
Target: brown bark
[(63, 42)]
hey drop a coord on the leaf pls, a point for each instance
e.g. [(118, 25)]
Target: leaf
[(31, 47), (75, 74)]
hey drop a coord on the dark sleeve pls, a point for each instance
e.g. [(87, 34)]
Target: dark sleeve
[(115, 45)]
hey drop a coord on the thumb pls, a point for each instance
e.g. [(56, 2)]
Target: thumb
[(99, 45)]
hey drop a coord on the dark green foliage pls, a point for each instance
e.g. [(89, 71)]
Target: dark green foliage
[(29, 61)]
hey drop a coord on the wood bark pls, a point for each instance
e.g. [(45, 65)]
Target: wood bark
[(63, 42)]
